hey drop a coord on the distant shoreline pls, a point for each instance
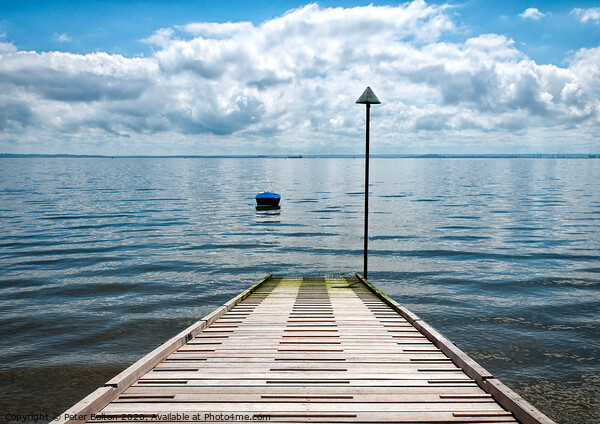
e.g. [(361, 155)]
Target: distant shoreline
[(358, 156)]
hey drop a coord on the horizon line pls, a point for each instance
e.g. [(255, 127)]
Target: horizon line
[(317, 156)]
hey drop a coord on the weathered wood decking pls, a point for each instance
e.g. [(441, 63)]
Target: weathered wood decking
[(307, 350)]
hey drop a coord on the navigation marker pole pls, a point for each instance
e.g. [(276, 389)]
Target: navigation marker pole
[(367, 98)]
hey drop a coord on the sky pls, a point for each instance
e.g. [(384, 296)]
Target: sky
[(261, 77)]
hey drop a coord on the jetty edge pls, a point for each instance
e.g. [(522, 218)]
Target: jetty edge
[(506, 397), (307, 303), (95, 401)]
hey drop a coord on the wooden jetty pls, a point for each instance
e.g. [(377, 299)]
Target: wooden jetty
[(306, 351)]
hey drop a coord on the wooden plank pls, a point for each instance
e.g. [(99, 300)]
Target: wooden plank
[(347, 401), (314, 417), (250, 375), (363, 367), (81, 411), (290, 380), (236, 398), (472, 390)]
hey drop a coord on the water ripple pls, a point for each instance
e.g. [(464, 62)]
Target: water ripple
[(102, 260)]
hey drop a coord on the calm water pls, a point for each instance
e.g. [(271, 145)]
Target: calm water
[(104, 259)]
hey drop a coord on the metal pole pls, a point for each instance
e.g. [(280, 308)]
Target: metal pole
[(367, 192), (367, 98)]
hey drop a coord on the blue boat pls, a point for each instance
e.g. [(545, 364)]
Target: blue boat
[(267, 198)]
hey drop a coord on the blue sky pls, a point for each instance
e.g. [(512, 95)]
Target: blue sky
[(119, 26), (156, 77)]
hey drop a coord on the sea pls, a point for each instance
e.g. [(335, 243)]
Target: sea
[(104, 259)]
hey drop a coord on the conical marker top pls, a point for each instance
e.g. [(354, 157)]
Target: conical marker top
[(368, 98)]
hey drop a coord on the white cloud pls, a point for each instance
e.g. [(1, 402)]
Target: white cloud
[(7, 47), (586, 15), (161, 38), (289, 84), (586, 65), (62, 38), (211, 29), (532, 13)]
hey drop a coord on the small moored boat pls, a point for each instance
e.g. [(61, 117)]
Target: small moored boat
[(267, 198)]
